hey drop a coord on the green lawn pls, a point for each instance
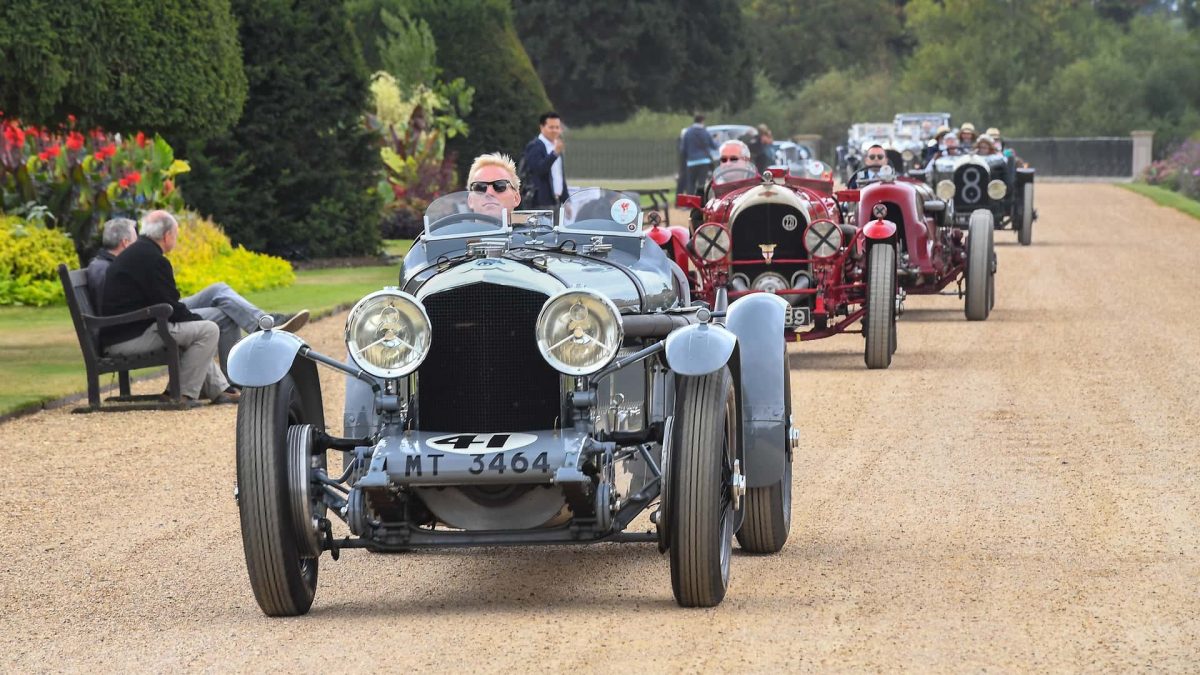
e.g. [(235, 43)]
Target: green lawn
[(40, 359), (1165, 197), (397, 247)]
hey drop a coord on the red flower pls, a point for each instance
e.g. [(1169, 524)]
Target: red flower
[(71, 119), (134, 177), (44, 156), (141, 139), (54, 150), (14, 135), (75, 141)]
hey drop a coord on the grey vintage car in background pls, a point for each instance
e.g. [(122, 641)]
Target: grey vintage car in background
[(537, 383)]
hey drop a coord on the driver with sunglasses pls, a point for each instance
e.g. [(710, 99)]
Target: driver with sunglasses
[(875, 160), (495, 188)]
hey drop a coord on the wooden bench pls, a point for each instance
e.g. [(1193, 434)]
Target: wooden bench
[(87, 329)]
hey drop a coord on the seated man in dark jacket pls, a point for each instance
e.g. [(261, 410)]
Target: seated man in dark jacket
[(543, 166), (875, 160), (142, 276)]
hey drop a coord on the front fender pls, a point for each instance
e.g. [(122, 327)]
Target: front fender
[(757, 320), (262, 358), (879, 230), (699, 349)]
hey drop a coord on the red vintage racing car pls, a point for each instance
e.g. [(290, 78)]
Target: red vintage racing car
[(933, 252), (784, 234)]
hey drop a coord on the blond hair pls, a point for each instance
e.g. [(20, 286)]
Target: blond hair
[(495, 159)]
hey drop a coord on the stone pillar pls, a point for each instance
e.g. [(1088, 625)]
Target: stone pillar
[(1143, 143)]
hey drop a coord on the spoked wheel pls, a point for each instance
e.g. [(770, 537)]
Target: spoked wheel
[(278, 504), (1026, 234), (980, 273), (769, 508), (704, 469), (880, 318)]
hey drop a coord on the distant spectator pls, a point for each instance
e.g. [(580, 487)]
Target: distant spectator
[(543, 164), (985, 146), (216, 302), (695, 146), (995, 134), (764, 153)]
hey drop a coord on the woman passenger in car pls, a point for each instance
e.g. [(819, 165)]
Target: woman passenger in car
[(985, 146)]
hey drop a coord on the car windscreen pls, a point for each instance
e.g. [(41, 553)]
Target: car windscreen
[(465, 214), (601, 211)]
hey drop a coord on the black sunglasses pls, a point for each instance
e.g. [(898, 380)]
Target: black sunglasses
[(876, 156), (730, 159), (500, 186)]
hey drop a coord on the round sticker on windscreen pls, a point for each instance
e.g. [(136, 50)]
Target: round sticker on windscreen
[(624, 211)]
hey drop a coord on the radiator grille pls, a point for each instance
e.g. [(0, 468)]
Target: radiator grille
[(484, 373)]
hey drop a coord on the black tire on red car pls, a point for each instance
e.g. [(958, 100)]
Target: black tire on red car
[(768, 509), (1025, 236), (704, 449), (980, 273), (283, 574), (879, 322)]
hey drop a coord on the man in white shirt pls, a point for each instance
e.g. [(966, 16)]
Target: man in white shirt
[(543, 165)]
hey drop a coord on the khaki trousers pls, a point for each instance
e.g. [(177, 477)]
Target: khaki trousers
[(199, 376)]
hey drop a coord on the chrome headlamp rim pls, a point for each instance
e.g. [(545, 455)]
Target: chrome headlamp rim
[(997, 188), (721, 238), (945, 189), (820, 243), (546, 347), (356, 315)]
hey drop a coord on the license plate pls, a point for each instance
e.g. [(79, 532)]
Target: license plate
[(794, 317)]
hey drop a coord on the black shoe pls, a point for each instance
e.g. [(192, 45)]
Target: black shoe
[(291, 322)]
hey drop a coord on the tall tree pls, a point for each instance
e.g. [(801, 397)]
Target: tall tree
[(476, 41), (601, 60), (796, 42), (172, 66), (297, 175)]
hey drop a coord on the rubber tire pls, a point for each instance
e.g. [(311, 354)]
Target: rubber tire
[(1025, 236), (701, 512), (283, 581), (768, 509), (980, 291), (880, 317)]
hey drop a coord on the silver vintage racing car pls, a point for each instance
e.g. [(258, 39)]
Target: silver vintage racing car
[(537, 383)]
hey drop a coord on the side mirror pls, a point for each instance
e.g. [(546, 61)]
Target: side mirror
[(688, 202)]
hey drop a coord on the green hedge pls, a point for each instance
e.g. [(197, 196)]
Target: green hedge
[(29, 259)]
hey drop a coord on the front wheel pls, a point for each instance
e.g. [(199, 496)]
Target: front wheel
[(278, 505), (703, 476), (980, 273), (1025, 236), (880, 318)]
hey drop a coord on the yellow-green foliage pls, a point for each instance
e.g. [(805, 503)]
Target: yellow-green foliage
[(29, 258), (204, 255)]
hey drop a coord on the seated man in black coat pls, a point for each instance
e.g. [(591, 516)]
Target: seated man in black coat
[(543, 166), (875, 160), (142, 276)]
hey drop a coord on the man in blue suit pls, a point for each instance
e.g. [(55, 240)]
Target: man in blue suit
[(542, 166)]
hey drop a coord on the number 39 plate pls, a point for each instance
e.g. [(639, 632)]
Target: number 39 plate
[(795, 317)]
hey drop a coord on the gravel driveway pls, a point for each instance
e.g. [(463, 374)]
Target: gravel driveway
[(1019, 494)]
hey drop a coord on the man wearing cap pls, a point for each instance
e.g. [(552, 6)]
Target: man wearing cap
[(934, 144), (967, 135)]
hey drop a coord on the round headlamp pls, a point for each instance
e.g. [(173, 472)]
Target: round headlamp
[(711, 242), (388, 333), (997, 189), (579, 331), (823, 239), (907, 155), (945, 190)]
